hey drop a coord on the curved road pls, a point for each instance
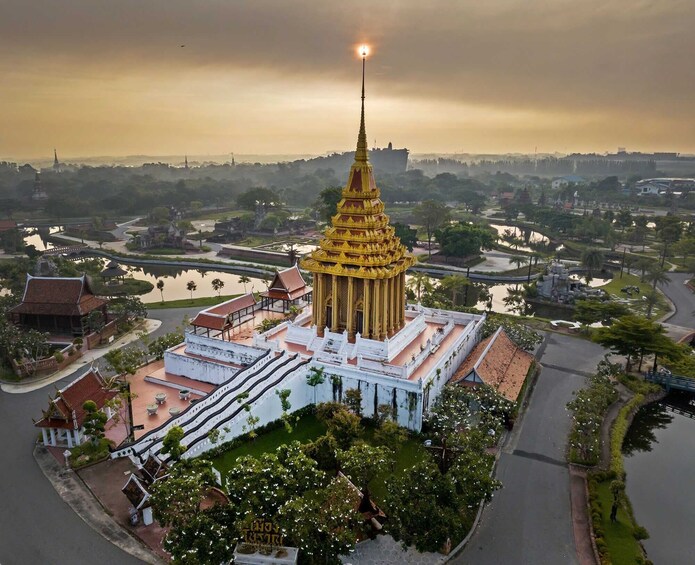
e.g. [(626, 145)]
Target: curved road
[(683, 299), (36, 526)]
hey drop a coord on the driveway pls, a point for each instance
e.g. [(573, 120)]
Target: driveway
[(529, 519), (36, 526), (683, 299)]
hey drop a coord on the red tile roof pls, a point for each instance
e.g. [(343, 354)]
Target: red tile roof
[(65, 410), (7, 225), (287, 285), (60, 296), (498, 362), (217, 317)]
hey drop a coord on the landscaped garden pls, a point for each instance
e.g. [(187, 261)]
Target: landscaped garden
[(428, 485)]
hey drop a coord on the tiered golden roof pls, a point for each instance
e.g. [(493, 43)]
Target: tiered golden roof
[(360, 242)]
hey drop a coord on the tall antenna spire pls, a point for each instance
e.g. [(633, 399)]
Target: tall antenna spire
[(361, 153)]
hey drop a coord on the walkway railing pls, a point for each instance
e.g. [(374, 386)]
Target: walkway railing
[(670, 381)]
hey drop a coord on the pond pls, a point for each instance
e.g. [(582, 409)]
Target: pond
[(525, 235), (176, 280), (659, 452), (37, 237)]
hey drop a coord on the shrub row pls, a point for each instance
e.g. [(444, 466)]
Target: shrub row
[(638, 386), (588, 411), (618, 435)]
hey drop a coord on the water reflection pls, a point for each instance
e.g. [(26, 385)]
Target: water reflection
[(641, 434), (522, 239)]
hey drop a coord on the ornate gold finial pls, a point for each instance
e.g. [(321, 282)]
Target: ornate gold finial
[(361, 153)]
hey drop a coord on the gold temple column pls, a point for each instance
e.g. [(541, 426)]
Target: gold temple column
[(376, 329), (335, 306), (351, 307), (366, 303), (385, 310), (317, 308)]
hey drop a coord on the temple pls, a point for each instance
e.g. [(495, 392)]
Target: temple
[(353, 326), (359, 267)]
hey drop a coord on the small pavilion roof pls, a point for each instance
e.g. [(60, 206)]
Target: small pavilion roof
[(287, 285), (496, 361), (113, 270), (217, 317), (65, 409), (61, 296)]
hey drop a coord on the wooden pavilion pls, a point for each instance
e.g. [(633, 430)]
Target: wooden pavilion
[(221, 319), (58, 305), (289, 288)]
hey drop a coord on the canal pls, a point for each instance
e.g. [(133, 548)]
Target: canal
[(659, 452)]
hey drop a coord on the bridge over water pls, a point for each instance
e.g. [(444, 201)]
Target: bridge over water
[(670, 382)]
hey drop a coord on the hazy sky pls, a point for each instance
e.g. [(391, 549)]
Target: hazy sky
[(109, 77)]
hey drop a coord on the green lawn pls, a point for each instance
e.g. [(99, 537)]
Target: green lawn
[(622, 545), (188, 303), (307, 429), (613, 288)]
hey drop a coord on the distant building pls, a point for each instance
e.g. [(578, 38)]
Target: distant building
[(56, 163), (38, 192), (562, 182), (667, 185)]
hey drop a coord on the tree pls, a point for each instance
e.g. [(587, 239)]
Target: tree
[(353, 400), (191, 286), (657, 275), (176, 499), (125, 360), (243, 279), (431, 215), (96, 321), (427, 519), (634, 336), (316, 376), (592, 260), (94, 421), (323, 450), (324, 525), (345, 427), (390, 434), (420, 282), (204, 539), (158, 346), (522, 335), (456, 285), (592, 311), (464, 240), (160, 288), (260, 486), (327, 203), (171, 444), (217, 285), (406, 234), (362, 463)]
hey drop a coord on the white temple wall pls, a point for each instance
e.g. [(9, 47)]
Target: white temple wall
[(198, 369)]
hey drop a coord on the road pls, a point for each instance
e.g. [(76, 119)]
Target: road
[(682, 298), (529, 519), (36, 526)]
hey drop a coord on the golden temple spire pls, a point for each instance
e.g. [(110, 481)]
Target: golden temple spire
[(361, 153)]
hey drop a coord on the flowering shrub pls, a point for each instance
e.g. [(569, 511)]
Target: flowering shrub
[(588, 410)]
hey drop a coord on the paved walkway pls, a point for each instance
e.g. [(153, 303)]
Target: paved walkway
[(88, 358), (384, 550), (73, 491)]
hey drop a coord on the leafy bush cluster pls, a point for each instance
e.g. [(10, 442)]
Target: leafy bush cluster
[(588, 410)]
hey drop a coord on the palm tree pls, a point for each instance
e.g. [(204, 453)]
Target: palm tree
[(592, 260), (657, 275), (160, 288), (191, 286), (455, 284), (243, 279), (420, 282), (217, 285), (518, 260), (643, 264), (652, 299)]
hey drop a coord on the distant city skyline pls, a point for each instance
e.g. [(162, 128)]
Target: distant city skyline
[(262, 77)]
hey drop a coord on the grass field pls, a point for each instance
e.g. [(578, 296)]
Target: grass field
[(613, 288), (623, 548), (203, 302)]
